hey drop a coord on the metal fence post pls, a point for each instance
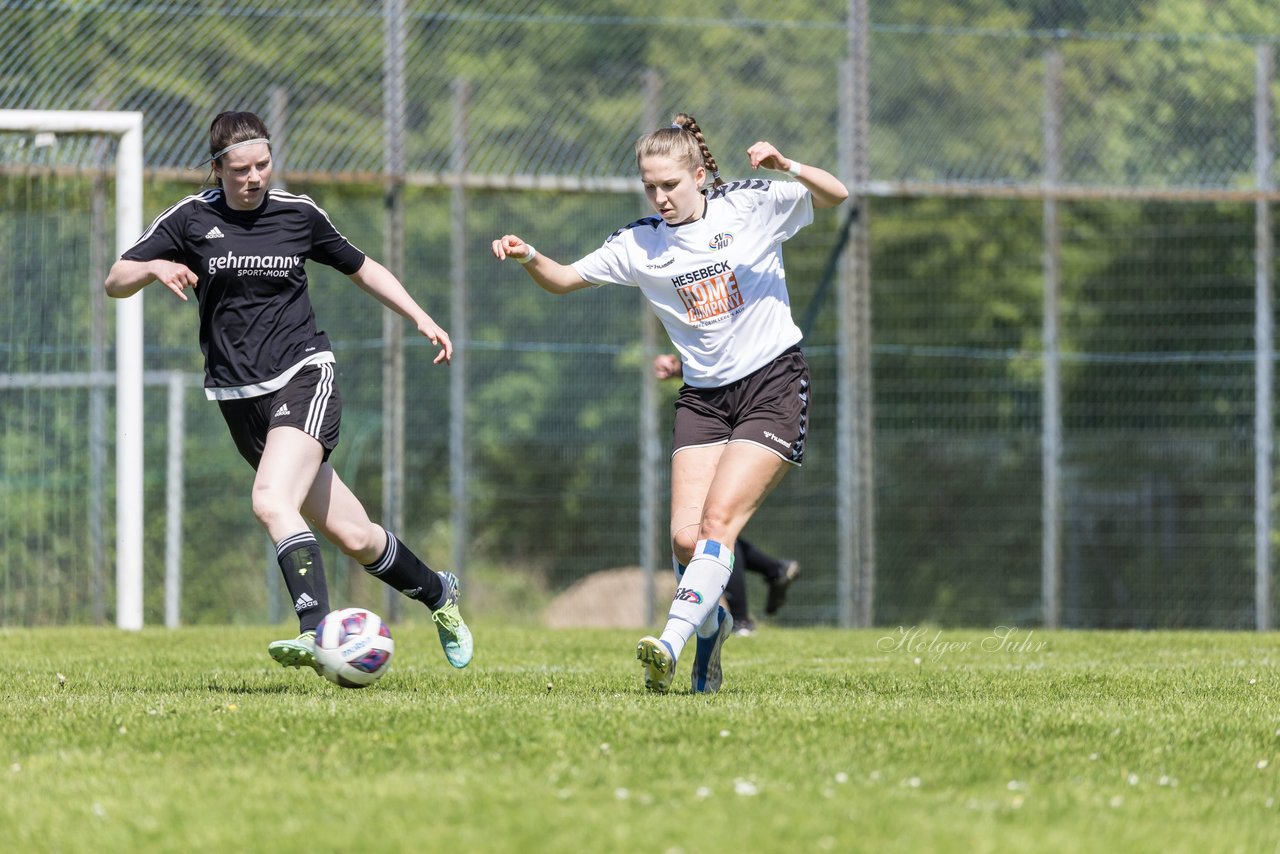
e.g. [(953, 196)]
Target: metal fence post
[(650, 443), (855, 515), (278, 121), (174, 499), (1051, 389), (459, 333), (393, 247), (275, 605), (1264, 335), (98, 234)]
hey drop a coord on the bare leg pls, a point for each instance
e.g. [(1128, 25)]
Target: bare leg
[(334, 509), (720, 487), (692, 471), (290, 460), (285, 476)]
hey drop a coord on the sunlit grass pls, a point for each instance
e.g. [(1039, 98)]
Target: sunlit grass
[(877, 740)]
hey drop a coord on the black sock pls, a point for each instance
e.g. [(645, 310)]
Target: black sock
[(757, 561), (735, 592), (403, 570), (299, 558)]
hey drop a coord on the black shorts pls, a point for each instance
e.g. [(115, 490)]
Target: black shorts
[(310, 402), (769, 408)]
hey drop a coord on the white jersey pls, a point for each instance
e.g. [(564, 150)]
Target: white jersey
[(717, 283)]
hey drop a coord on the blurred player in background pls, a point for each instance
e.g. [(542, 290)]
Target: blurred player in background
[(710, 264), (778, 572), (241, 247)]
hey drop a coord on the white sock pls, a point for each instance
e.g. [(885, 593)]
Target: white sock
[(698, 593), (710, 625)]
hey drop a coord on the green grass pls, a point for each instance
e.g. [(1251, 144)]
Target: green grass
[(821, 740)]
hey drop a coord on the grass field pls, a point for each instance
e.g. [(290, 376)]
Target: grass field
[(822, 740)]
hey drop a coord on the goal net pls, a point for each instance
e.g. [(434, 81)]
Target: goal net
[(70, 380)]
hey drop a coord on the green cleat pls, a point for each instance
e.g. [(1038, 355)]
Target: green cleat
[(455, 637), (299, 652), (659, 664)]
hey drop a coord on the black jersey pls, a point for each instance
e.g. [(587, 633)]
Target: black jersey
[(257, 326)]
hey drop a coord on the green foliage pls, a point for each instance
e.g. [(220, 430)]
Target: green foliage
[(1155, 299)]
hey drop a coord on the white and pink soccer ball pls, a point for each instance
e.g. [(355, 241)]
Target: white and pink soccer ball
[(353, 647)]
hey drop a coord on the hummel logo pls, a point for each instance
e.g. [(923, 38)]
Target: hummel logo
[(283, 410), (303, 603), (214, 233), (666, 263), (775, 437)]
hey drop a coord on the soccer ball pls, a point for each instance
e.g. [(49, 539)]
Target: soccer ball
[(353, 647)]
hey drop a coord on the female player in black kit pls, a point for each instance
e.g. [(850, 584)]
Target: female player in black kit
[(242, 248), (710, 265)]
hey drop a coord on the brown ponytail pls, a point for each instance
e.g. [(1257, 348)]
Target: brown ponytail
[(690, 124)]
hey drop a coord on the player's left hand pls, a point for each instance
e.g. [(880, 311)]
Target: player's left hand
[(766, 155)]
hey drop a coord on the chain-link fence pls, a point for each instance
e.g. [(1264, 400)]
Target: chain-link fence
[(1061, 246)]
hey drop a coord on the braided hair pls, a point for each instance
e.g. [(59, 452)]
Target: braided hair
[(683, 142)]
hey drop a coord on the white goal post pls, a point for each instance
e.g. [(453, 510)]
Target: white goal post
[(127, 126)]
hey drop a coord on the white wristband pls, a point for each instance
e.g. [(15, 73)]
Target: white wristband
[(533, 253), (795, 169)]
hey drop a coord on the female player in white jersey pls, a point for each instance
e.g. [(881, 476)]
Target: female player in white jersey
[(710, 264), (241, 247)]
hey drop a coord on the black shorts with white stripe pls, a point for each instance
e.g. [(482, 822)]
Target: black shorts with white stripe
[(310, 403), (769, 408)]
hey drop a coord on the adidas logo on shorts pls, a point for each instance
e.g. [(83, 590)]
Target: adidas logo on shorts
[(214, 232), (283, 410)]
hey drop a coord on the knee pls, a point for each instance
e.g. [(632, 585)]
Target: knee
[(267, 507), (363, 542), (716, 525), (683, 543)]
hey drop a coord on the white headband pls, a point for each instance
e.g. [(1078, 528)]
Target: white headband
[(231, 147)]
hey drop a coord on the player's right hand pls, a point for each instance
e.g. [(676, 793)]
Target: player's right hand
[(666, 366), (175, 277), (510, 246)]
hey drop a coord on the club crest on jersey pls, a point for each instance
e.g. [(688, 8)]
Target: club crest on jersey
[(720, 241), (688, 594)]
